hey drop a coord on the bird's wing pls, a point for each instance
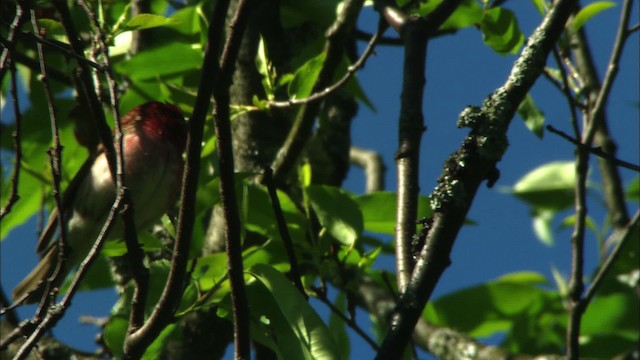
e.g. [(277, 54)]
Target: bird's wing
[(67, 202)]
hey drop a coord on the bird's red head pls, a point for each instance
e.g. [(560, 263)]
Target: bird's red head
[(158, 120)]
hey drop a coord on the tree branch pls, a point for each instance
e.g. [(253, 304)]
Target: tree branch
[(464, 171), (374, 168), (222, 124), (303, 124), (137, 342)]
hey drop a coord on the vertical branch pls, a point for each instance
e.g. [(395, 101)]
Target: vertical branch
[(17, 144), (598, 94), (136, 342), (7, 61), (576, 283), (595, 127), (135, 255), (410, 129), (222, 124), (55, 159), (9, 43)]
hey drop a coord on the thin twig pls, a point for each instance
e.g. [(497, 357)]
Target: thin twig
[(9, 44), (334, 49), (351, 70), (612, 70), (621, 237), (576, 280), (55, 160), (135, 254), (57, 312), (567, 93), (284, 231), (595, 150), (322, 296), (17, 144)]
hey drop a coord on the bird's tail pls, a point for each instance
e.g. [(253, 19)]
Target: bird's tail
[(30, 289)]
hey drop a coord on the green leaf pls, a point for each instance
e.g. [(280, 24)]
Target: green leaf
[(541, 222), (147, 21), (337, 212), (305, 77), (288, 324), (590, 11), (379, 211), (468, 13), (541, 5), (532, 116), (261, 218), (171, 59), (549, 186), (633, 189), (187, 20), (265, 68), (500, 31), (610, 325), (158, 345), (486, 309), (114, 334), (295, 12)]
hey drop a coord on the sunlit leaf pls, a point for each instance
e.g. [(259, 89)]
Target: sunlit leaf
[(379, 211), (337, 212), (532, 116), (301, 334), (305, 77), (485, 309), (590, 11), (171, 59), (500, 31), (147, 21), (542, 227), (549, 186)]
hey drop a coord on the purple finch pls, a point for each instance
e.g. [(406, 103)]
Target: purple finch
[(154, 140)]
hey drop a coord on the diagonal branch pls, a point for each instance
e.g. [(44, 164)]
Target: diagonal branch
[(464, 171)]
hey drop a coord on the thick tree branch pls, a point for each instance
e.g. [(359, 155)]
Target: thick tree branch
[(464, 171)]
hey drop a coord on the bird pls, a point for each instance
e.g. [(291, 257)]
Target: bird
[(154, 139)]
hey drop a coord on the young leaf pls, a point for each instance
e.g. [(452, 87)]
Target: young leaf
[(549, 186), (532, 116), (590, 11), (500, 31), (305, 77), (337, 212), (147, 21)]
